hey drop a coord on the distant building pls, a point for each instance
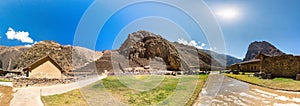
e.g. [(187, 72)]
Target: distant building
[(250, 66), (277, 66), (44, 68)]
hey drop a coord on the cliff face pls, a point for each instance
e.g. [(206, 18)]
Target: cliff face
[(261, 47)]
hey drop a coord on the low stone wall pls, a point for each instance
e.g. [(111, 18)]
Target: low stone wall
[(25, 82)]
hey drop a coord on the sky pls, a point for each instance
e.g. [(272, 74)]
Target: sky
[(25, 22)]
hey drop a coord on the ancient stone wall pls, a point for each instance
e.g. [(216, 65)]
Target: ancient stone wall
[(234, 67), (250, 67), (24, 82), (281, 66)]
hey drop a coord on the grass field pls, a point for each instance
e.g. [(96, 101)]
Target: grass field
[(72, 98), (4, 80), (276, 83), (137, 91)]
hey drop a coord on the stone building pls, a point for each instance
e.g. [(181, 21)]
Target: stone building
[(44, 68), (250, 66), (281, 66), (277, 66), (234, 67)]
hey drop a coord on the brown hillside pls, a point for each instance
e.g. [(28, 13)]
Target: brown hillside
[(63, 55)]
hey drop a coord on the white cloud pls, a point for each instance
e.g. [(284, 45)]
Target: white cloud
[(182, 41), (30, 45), (19, 35), (213, 49), (198, 45)]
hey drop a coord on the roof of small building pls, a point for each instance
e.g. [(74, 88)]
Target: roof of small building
[(250, 61), (43, 60), (263, 54)]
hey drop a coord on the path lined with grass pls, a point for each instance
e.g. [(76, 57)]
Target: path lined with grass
[(276, 83), (32, 95)]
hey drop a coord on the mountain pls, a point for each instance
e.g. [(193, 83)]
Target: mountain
[(145, 46), (63, 55), (261, 47), (8, 55), (222, 58), (204, 60)]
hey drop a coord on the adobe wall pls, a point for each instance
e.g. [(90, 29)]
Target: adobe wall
[(46, 70)]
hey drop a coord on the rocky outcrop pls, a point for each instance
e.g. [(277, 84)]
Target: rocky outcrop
[(261, 47), (145, 45), (155, 46)]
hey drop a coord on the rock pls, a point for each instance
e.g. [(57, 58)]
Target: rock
[(143, 45), (261, 47)]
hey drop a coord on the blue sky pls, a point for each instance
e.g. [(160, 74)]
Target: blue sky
[(276, 21)]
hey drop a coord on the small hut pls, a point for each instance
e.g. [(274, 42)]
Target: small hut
[(45, 67)]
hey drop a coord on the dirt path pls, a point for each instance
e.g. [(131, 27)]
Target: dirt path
[(30, 96), (236, 93), (6, 94)]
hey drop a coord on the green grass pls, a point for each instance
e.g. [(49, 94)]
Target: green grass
[(146, 90), (72, 98), (4, 80), (276, 83)]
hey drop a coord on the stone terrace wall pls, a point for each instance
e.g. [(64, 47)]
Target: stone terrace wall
[(281, 66)]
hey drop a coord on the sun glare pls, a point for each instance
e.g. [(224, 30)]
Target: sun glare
[(228, 13)]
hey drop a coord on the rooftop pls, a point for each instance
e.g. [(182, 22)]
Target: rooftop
[(250, 61)]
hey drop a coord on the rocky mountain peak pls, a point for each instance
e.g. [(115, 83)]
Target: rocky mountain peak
[(261, 47), (135, 37)]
